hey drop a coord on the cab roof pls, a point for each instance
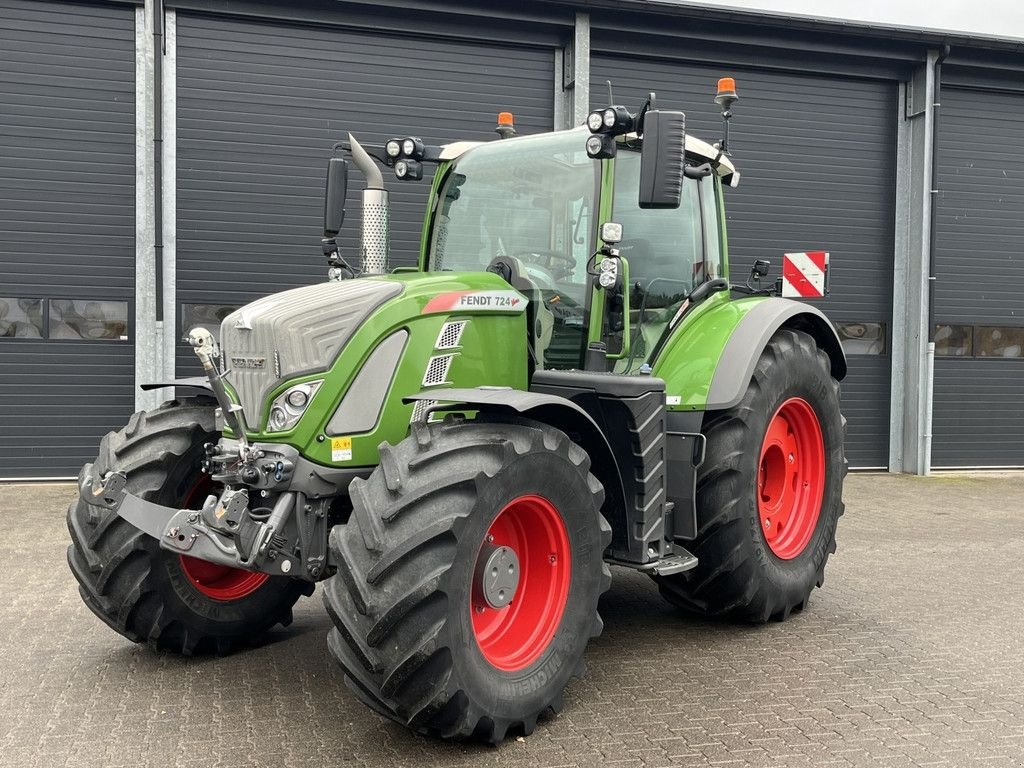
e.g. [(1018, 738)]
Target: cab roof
[(695, 147)]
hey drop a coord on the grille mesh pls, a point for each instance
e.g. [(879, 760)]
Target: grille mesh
[(437, 370), (420, 409), (450, 335)]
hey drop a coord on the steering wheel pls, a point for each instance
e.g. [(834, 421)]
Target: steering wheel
[(559, 265)]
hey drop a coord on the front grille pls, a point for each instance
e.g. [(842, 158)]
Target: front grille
[(292, 334)]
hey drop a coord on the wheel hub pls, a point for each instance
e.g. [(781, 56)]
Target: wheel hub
[(497, 576), (521, 583), (791, 478)]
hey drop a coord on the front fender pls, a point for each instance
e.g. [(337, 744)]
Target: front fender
[(555, 411), (711, 356)]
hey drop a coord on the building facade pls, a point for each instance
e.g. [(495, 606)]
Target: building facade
[(162, 163)]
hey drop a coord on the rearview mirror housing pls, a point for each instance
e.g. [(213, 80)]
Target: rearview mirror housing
[(662, 159), (334, 195)]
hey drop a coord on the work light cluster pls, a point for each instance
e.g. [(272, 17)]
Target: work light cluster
[(406, 155), (605, 125)]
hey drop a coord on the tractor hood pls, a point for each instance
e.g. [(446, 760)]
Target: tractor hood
[(294, 333)]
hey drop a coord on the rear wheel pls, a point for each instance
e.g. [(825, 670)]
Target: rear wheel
[(769, 494), (149, 594), (468, 577)]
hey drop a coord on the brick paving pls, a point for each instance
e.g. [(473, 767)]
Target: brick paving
[(912, 655)]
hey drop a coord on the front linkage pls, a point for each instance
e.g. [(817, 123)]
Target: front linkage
[(285, 537)]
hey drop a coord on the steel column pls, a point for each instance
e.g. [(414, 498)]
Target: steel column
[(910, 423)]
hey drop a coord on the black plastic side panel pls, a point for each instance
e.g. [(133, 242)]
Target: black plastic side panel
[(684, 451), (630, 411)]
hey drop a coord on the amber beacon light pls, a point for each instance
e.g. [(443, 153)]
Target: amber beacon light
[(506, 125)]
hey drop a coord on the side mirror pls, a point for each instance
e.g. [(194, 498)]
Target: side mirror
[(334, 196), (662, 159)]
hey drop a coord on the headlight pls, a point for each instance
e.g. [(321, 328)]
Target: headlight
[(393, 148), (595, 121), (609, 118), (408, 147), (288, 407)]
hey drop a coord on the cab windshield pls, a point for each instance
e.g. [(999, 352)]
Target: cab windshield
[(533, 199)]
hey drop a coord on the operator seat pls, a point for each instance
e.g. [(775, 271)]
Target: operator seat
[(657, 273), (539, 319)]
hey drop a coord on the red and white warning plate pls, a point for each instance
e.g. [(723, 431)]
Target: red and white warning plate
[(805, 274)]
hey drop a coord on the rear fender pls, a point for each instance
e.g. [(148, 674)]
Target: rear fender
[(708, 361), (751, 336)]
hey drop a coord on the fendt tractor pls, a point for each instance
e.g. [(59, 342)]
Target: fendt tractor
[(566, 381)]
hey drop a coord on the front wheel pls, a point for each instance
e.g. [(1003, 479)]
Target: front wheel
[(150, 594), (468, 577), (769, 494)]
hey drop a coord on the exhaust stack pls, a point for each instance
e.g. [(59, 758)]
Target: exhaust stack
[(376, 235)]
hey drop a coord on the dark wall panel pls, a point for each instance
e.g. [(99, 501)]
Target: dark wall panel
[(815, 156), (979, 269), (67, 229)]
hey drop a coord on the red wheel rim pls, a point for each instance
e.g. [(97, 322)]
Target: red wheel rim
[(791, 478), (513, 637), (218, 582)]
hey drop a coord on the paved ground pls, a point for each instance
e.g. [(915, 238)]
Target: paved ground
[(912, 654)]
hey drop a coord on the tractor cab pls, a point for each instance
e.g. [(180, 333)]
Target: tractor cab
[(532, 210)]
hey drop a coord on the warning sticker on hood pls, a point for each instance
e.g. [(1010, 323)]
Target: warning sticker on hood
[(476, 301)]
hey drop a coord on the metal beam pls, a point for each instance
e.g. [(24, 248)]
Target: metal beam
[(911, 390), (170, 333), (148, 365), (572, 76)]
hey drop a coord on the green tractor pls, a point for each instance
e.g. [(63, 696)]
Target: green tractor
[(459, 451)]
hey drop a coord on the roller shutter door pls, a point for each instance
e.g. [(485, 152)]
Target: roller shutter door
[(67, 230), (260, 105), (815, 156), (978, 414)]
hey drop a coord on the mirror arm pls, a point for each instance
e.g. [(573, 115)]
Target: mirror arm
[(697, 171)]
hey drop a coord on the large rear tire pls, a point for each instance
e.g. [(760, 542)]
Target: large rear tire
[(422, 633), (769, 494), (149, 594)]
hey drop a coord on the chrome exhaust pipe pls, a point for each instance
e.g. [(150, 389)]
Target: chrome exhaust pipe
[(376, 226)]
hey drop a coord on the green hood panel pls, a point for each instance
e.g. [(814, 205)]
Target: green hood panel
[(491, 350)]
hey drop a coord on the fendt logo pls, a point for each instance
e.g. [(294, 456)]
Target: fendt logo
[(249, 362), (477, 301)]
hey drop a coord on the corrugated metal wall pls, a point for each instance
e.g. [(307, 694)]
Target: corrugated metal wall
[(260, 106), (67, 231), (979, 270), (815, 153)]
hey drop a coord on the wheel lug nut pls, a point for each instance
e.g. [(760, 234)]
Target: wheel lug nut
[(490, 538)]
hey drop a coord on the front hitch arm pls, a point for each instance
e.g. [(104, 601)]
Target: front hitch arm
[(186, 530)]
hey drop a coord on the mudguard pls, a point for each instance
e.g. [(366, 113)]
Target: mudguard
[(751, 336), (709, 359), (558, 412), (193, 385)]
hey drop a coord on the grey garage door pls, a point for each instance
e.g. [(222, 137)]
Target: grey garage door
[(260, 106), (978, 416), (815, 154), (67, 229)]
